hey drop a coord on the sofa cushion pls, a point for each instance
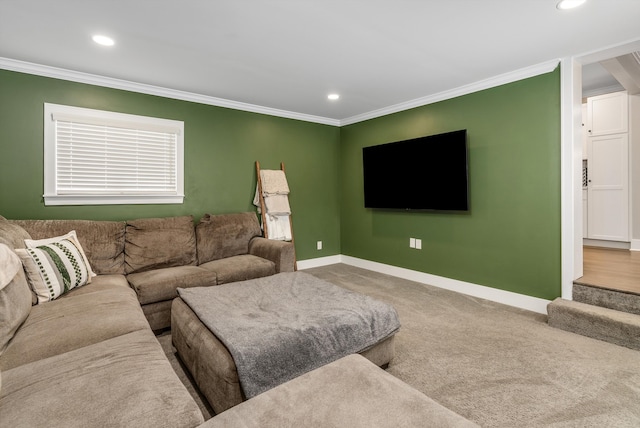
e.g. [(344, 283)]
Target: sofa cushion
[(74, 321), (240, 268), (55, 266), (350, 392), (12, 234), (15, 296), (102, 241), (124, 381), (156, 243), (161, 284), (225, 235), (99, 283)]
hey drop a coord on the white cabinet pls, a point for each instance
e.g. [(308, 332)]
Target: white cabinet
[(608, 167), (608, 114)]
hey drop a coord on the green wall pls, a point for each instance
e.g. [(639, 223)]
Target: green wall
[(221, 147), (510, 239)]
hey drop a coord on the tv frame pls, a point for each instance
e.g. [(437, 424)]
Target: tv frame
[(415, 146)]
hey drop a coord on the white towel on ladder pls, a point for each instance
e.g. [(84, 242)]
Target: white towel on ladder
[(279, 227)]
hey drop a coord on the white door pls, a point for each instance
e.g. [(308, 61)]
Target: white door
[(608, 188), (585, 134)]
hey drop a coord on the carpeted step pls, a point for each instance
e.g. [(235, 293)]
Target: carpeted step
[(620, 328), (612, 299)]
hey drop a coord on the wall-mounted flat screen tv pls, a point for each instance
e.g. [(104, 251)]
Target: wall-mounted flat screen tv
[(426, 173)]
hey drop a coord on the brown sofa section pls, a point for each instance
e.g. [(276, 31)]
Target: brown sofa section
[(158, 255)]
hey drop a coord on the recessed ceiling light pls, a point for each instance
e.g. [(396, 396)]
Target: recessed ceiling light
[(569, 4), (333, 97), (103, 40)]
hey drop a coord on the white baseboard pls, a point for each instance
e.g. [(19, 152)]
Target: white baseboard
[(619, 245), (635, 245), (517, 300), (320, 261)]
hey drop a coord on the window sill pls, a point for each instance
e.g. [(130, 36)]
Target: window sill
[(111, 200)]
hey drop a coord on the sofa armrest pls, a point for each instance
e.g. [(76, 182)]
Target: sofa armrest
[(282, 253)]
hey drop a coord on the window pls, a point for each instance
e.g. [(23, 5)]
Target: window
[(94, 157)]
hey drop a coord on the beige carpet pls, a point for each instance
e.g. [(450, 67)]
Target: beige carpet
[(496, 365)]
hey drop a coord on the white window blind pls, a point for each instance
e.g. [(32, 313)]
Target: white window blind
[(111, 158)]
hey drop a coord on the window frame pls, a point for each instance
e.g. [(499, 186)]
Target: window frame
[(103, 117)]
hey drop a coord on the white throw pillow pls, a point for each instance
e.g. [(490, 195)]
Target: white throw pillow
[(55, 265), (33, 243)]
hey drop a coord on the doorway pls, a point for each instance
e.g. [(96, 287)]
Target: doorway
[(607, 268)]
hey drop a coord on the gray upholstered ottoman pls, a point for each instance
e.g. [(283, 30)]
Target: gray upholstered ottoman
[(351, 392), (300, 305)]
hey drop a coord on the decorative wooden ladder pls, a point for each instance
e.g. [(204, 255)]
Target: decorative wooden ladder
[(263, 209)]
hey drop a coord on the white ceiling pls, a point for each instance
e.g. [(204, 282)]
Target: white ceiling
[(596, 80), (289, 54)]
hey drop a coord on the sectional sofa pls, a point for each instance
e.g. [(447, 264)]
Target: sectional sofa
[(89, 357)]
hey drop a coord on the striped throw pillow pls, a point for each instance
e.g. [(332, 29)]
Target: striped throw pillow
[(55, 268)]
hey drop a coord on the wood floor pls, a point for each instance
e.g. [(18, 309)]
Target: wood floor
[(611, 269)]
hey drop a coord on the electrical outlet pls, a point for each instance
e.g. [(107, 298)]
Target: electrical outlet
[(418, 244), (412, 242), (319, 245)]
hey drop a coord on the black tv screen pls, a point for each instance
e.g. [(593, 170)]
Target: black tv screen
[(426, 173)]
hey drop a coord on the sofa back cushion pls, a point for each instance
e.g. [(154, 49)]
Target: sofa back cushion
[(102, 241), (15, 295), (155, 243), (12, 234), (225, 235)]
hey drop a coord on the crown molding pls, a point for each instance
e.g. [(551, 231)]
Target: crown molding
[(601, 91), (126, 85), (513, 76), (93, 79)]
